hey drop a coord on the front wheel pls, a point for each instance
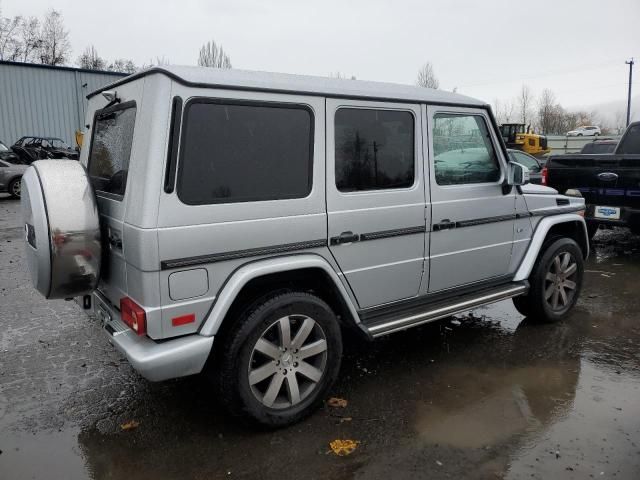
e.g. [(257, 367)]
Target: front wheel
[(280, 359), (555, 282)]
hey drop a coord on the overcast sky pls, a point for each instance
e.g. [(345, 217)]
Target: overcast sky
[(486, 48)]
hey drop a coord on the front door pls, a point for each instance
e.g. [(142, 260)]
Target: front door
[(472, 218), (376, 198)]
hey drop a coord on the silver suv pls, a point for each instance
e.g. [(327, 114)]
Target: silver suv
[(241, 221)]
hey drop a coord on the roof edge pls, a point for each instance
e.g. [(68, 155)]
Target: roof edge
[(62, 68), (183, 81)]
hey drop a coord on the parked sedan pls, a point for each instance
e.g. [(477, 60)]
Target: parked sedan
[(532, 163), (10, 176), (7, 154), (585, 131)]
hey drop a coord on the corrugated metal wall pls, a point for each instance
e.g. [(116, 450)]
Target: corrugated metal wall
[(37, 100)]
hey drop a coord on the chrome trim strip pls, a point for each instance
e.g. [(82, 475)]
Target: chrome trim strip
[(442, 312)]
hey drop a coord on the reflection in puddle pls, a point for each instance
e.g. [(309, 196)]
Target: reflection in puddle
[(485, 396)]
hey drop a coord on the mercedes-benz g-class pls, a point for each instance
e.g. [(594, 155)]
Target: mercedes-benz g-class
[(241, 220)]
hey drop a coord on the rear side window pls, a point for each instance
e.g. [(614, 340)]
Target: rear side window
[(242, 152), (374, 149), (462, 150), (111, 148)]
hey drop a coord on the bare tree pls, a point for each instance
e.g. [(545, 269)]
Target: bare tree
[(9, 38), (29, 33), (54, 46), (525, 102), (122, 65), (503, 110), (91, 60), (547, 111), (427, 77), (213, 56)]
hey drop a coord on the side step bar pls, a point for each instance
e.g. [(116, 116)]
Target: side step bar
[(443, 309)]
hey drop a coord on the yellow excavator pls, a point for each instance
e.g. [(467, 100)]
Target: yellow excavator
[(520, 137)]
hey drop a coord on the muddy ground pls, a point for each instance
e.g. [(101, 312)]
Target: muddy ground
[(484, 395)]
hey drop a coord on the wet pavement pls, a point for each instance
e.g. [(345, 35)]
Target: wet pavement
[(484, 395)]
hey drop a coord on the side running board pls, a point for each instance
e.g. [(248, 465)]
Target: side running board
[(377, 327)]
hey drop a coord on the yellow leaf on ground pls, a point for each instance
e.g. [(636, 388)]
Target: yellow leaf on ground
[(130, 425), (342, 448), (337, 402)]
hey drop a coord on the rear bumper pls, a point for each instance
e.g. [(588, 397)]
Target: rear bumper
[(154, 360), (627, 216)]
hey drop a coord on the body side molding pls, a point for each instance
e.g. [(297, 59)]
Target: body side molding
[(260, 268), (539, 235)]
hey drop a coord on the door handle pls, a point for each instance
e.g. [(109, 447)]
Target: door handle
[(344, 237), (445, 224)]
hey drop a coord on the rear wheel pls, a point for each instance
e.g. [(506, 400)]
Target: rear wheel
[(14, 188), (280, 359), (556, 281)]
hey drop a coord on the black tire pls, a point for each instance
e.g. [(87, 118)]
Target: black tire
[(237, 351), (535, 305), (14, 188)]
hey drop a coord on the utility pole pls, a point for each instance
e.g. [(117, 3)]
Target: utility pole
[(630, 63)]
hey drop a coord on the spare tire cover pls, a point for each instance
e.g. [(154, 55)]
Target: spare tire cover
[(62, 231)]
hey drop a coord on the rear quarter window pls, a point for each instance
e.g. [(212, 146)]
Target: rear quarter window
[(234, 152)]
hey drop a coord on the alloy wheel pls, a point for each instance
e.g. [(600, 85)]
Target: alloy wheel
[(288, 361), (15, 189), (560, 281)]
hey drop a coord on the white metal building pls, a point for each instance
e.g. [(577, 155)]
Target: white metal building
[(45, 101)]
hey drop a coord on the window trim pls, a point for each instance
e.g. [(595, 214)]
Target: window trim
[(488, 123), (98, 113), (248, 103), (417, 135)]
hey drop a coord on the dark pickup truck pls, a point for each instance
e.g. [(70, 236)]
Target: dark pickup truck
[(609, 183)]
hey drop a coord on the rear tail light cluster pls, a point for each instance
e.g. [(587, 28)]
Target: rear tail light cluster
[(133, 315), (545, 174)]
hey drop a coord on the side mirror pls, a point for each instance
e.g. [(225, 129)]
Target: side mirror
[(517, 174)]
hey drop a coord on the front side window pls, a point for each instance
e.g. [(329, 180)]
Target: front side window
[(374, 149), (462, 150), (241, 152), (111, 148)]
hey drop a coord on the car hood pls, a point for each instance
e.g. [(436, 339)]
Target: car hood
[(533, 189), (8, 156)]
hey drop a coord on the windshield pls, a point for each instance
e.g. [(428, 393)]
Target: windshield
[(524, 159), (598, 148), (3, 147), (57, 143)]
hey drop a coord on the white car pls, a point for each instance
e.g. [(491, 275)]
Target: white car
[(586, 131)]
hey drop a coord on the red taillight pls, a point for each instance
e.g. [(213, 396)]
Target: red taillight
[(544, 176), (133, 315)]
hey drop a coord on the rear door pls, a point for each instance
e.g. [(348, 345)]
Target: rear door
[(376, 198), (112, 141), (472, 219)]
